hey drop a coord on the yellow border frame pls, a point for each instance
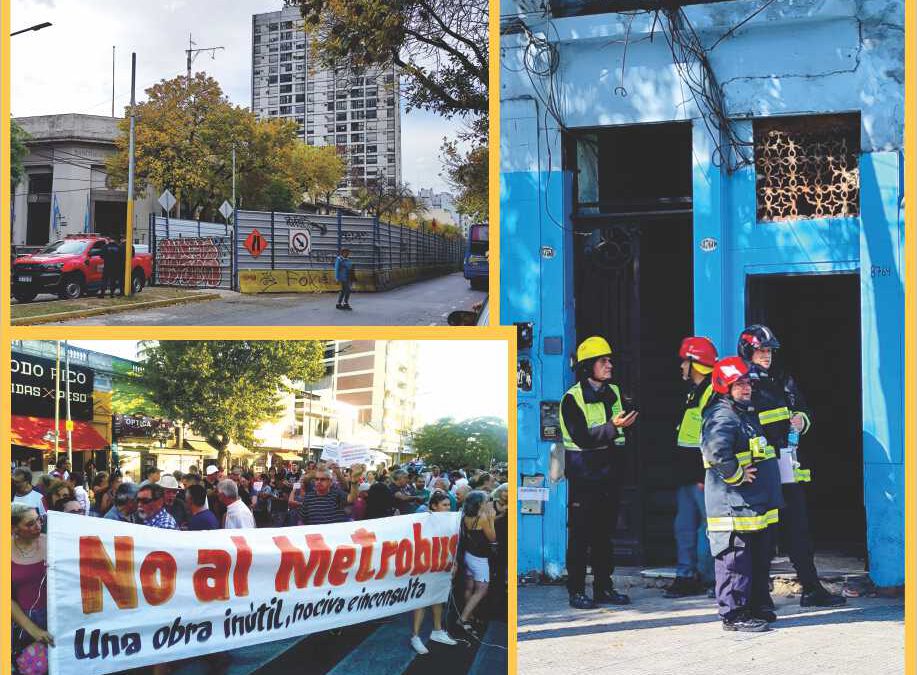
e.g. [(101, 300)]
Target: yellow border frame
[(910, 336), (492, 332)]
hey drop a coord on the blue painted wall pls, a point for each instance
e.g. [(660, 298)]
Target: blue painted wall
[(810, 56)]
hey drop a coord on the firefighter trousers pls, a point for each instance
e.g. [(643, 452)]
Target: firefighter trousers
[(743, 573), (592, 519), (795, 540)]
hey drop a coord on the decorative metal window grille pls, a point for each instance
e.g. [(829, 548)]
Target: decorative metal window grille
[(807, 167)]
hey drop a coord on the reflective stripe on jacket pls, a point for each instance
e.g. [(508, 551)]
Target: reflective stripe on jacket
[(732, 439), (777, 399), (594, 411)]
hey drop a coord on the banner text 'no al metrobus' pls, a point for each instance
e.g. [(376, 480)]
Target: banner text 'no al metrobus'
[(124, 596)]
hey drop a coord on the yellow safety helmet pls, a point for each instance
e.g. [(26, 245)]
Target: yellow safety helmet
[(592, 348)]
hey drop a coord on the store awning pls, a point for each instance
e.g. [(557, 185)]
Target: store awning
[(208, 454), (202, 447), (287, 456), (37, 432)]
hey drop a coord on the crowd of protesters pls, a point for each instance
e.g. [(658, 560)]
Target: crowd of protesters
[(315, 493)]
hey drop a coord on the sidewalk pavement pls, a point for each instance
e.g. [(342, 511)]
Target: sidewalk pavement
[(655, 635)]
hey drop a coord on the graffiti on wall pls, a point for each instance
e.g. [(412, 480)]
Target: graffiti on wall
[(193, 262)]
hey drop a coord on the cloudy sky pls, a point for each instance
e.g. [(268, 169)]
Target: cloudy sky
[(68, 67), (456, 378)]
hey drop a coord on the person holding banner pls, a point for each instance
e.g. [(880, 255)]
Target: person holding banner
[(29, 599), (439, 503)]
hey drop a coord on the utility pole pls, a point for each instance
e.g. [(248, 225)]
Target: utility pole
[(192, 53), (113, 80), (233, 185), (129, 237), (69, 422), (57, 403)]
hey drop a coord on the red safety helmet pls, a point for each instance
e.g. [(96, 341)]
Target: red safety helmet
[(727, 372), (699, 350)]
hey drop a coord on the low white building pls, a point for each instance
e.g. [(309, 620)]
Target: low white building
[(64, 188)]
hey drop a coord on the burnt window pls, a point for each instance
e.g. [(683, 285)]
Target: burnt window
[(807, 167)]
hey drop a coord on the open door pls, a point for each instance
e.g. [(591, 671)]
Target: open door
[(816, 317), (633, 284)]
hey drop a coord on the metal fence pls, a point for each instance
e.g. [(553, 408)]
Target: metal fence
[(191, 253), (209, 255), (373, 245)]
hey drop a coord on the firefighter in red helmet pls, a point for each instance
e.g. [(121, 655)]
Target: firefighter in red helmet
[(695, 565), (742, 497), (784, 415)]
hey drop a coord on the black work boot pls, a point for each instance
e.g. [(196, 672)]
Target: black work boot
[(610, 597), (764, 614), (818, 596), (682, 587), (745, 623), (581, 601)]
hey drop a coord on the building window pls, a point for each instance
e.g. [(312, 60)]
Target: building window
[(806, 167)]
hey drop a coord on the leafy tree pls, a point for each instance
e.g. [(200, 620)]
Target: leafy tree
[(471, 443), (185, 134), (395, 204), (467, 173), (441, 46), (18, 153), (224, 389)]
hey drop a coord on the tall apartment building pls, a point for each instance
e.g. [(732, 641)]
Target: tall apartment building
[(379, 379), (356, 110)]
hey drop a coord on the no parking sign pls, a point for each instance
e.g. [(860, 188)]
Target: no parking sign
[(300, 241)]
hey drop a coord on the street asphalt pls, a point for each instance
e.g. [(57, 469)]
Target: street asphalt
[(654, 635), (425, 303)]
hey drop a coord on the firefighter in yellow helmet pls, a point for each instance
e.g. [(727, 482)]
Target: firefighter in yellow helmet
[(592, 420)]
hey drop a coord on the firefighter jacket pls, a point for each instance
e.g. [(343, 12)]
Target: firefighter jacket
[(589, 441), (732, 439), (687, 464), (777, 398)]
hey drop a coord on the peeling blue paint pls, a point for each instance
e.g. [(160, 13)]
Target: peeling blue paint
[(808, 56)]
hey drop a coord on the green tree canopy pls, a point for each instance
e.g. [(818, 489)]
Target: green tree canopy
[(472, 443), (224, 389), (441, 46), (18, 152), (185, 134)]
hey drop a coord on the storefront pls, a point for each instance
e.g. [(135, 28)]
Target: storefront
[(87, 433)]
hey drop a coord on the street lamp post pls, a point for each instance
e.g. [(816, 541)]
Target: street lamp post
[(37, 26)]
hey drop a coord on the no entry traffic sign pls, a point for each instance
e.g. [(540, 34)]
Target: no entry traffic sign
[(255, 243), (300, 242)]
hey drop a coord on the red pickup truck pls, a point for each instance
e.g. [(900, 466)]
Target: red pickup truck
[(71, 267)]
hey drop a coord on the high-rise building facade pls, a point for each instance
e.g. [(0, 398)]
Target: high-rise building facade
[(379, 379), (356, 110)]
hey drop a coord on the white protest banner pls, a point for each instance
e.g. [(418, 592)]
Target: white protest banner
[(125, 596)]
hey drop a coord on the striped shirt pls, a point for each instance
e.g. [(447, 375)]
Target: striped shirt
[(319, 509)]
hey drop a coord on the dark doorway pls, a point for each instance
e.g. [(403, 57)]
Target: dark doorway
[(633, 284), (110, 219), (816, 317), (38, 222)]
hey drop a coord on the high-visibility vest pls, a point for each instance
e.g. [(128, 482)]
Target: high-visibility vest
[(692, 421), (593, 412)]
